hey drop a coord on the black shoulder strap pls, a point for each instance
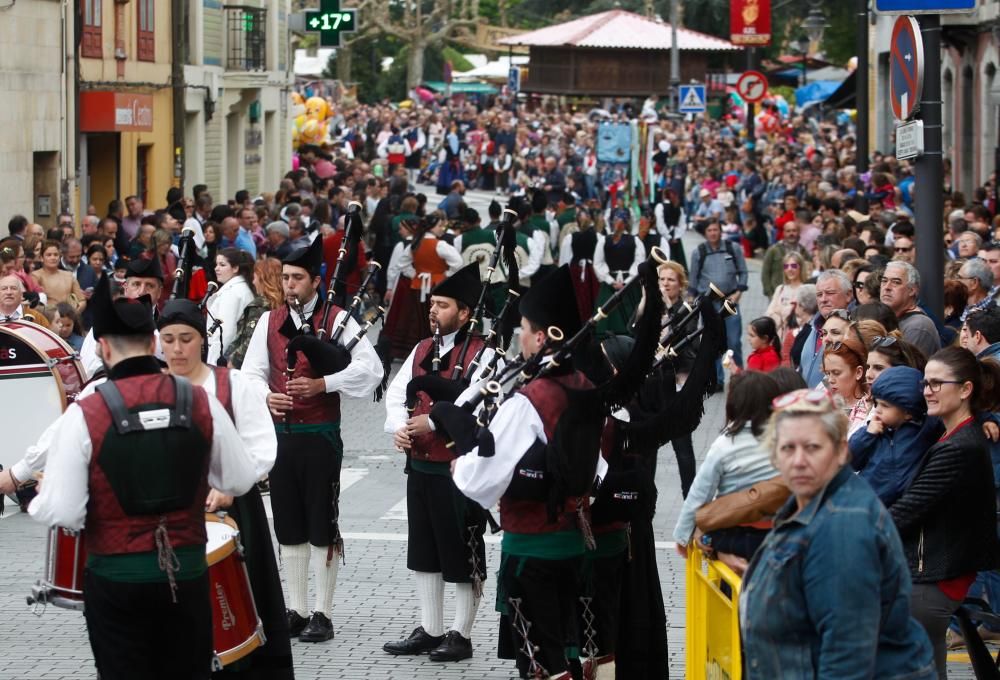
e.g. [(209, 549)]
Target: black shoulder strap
[(126, 421)]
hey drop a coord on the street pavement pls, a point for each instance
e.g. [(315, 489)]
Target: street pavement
[(375, 600)]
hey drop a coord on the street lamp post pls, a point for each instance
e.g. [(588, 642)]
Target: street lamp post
[(814, 25)]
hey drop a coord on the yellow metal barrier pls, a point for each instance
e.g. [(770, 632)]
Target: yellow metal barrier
[(713, 620)]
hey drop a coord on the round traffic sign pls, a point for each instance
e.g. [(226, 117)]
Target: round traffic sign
[(752, 86), (906, 67)]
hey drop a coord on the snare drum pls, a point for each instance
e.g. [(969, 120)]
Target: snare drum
[(236, 628), (40, 376), (65, 558)]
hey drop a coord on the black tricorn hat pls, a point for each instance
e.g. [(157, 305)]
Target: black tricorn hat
[(309, 257), (552, 302), (122, 316), (183, 312), (464, 285), (147, 267)]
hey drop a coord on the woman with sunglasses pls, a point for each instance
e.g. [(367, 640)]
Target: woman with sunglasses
[(888, 351), (827, 594), (783, 301), (946, 517), (844, 369)]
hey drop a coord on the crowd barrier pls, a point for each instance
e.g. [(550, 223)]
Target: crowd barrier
[(713, 619)]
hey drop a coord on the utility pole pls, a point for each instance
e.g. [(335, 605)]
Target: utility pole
[(862, 100), (928, 197), (751, 111), (675, 55)]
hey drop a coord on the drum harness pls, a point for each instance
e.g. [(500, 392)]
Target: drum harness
[(126, 422)]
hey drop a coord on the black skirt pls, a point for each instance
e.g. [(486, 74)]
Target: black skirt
[(273, 660)]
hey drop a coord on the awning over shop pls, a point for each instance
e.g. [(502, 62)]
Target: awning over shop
[(461, 88), (845, 96)]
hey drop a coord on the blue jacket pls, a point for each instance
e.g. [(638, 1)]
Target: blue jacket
[(888, 460), (811, 361), (827, 595)]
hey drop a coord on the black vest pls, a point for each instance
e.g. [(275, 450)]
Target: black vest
[(621, 255), (583, 244)]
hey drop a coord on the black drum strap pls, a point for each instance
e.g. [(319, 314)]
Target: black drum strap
[(126, 421)]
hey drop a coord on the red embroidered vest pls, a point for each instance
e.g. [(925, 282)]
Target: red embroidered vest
[(432, 447), (427, 260), (531, 517), (112, 531), (325, 406), (224, 390)]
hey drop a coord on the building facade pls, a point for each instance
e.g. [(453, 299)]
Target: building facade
[(970, 89), (37, 77), (125, 101), (237, 75)]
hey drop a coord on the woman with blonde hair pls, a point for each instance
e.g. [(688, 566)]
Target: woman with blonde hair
[(783, 301)]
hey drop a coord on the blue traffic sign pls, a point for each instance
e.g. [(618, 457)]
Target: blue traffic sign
[(924, 6), (692, 99), (906, 67), (514, 79)]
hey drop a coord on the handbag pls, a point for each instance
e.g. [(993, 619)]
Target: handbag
[(745, 506)]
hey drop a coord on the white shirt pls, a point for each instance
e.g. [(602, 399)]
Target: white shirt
[(226, 306), (515, 427), (604, 273), (396, 270), (16, 315), (396, 414), (253, 419), (91, 361), (445, 251), (359, 379), (64, 496)]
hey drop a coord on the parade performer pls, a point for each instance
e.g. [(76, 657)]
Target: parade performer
[(304, 399), (577, 250), (479, 244), (544, 528), (143, 276), (431, 260), (445, 529), (537, 229), (671, 223), (616, 262), (133, 463), (182, 332)]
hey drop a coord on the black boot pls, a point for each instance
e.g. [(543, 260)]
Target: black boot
[(419, 642), (454, 648), (296, 623), (319, 629)]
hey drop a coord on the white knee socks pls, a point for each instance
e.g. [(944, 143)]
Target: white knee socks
[(326, 579), (466, 604), (296, 563), (430, 590)]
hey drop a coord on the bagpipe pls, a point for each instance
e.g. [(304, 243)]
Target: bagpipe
[(678, 322), (186, 248), (441, 388), (332, 355)]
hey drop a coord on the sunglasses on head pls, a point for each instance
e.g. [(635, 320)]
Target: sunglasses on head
[(815, 397), (841, 314), (883, 341)]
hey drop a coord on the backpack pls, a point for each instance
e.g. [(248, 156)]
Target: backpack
[(244, 331)]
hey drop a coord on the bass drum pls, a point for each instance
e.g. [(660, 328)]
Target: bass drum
[(40, 375)]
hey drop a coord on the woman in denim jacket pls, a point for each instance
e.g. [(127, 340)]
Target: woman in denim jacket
[(828, 593)]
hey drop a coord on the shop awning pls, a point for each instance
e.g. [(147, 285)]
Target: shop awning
[(845, 96), (461, 88)]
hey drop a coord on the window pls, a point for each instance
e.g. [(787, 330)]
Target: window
[(246, 31), (146, 44), (90, 40)]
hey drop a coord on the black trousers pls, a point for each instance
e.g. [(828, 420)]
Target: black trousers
[(305, 488), (599, 617), (137, 631), (441, 524), (684, 450), (542, 593)]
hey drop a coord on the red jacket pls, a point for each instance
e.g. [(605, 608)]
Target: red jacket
[(764, 359)]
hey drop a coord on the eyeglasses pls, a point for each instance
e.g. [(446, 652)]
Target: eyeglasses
[(903, 249), (883, 341), (935, 385), (817, 397), (791, 265)]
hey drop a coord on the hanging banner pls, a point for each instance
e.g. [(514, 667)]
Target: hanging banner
[(750, 22)]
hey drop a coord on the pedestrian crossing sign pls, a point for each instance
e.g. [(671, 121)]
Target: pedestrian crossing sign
[(692, 99)]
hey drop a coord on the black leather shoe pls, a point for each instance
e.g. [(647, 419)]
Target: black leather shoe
[(319, 629), (295, 623), (419, 642), (454, 648)]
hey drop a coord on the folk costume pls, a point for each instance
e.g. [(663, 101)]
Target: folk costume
[(577, 250), (431, 260), (479, 245), (545, 528), (245, 403), (445, 529), (616, 261), (540, 234), (305, 480), (133, 464)]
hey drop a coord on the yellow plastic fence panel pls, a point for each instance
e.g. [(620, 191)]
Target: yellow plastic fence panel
[(713, 619)]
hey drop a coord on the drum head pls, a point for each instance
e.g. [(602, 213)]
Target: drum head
[(32, 394), (222, 536)]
